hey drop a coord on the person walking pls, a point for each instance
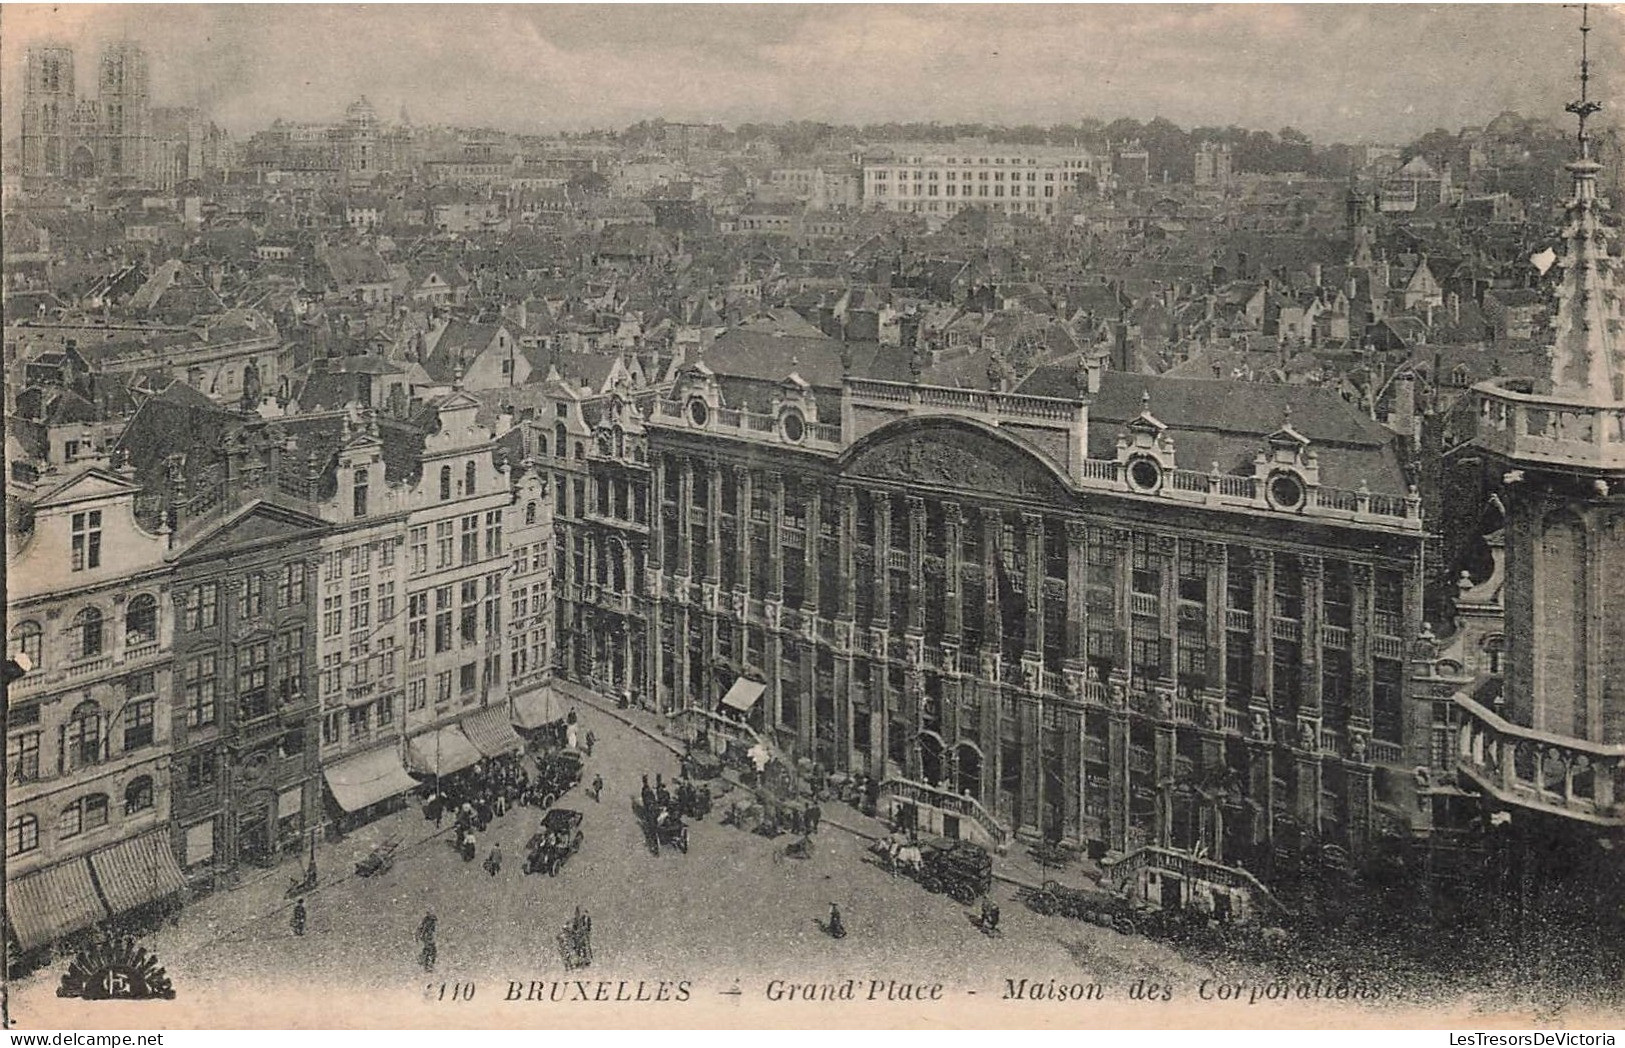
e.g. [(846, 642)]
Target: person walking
[(297, 923), (837, 927), (814, 813), (493, 862), (592, 740), (597, 787)]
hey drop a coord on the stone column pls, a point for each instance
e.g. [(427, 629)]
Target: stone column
[(1307, 801), (775, 538), (916, 565), (685, 539), (1117, 753), (953, 622), (812, 596), (1263, 638), (992, 536), (743, 507), (1123, 540), (847, 537), (713, 524), (1032, 530), (657, 527), (1077, 594), (881, 617)]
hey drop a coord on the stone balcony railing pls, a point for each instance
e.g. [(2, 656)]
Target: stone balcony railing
[(1519, 423), (946, 800), (1539, 770)]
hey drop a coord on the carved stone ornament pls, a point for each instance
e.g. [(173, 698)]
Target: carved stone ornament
[(1357, 746), (958, 458), (1261, 726)]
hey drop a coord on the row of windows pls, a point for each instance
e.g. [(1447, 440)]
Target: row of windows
[(456, 542), (953, 190), (467, 610), (968, 176), (87, 813)]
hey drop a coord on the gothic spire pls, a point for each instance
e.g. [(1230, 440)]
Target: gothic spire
[(1586, 362)]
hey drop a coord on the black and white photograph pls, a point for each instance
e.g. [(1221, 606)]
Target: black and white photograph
[(813, 516)]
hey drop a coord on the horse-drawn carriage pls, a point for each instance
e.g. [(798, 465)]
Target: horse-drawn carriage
[(667, 830), (556, 775), (559, 838), (960, 869), (380, 859), (1095, 905)]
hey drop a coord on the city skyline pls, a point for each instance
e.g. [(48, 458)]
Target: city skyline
[(550, 68)]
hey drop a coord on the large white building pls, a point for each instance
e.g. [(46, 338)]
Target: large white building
[(945, 179)]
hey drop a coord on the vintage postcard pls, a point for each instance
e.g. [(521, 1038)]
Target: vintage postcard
[(785, 516)]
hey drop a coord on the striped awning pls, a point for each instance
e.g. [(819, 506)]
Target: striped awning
[(441, 752), (135, 872), (744, 694), (53, 903), (491, 731), (368, 778)]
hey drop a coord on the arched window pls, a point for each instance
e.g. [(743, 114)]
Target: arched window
[(541, 443), (87, 633), (445, 482), (22, 835), (530, 513), (1494, 649), (25, 640), (141, 620), (83, 736), (558, 438), (468, 477), (138, 795)]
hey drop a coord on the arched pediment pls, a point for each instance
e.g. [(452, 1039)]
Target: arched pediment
[(957, 454)]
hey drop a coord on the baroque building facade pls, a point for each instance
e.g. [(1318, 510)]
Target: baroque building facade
[(1020, 616)]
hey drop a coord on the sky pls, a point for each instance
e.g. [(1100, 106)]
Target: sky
[(1354, 73)]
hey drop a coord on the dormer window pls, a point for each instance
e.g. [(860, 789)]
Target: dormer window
[(359, 491), (87, 540)]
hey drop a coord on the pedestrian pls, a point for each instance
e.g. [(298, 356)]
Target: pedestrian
[(597, 787), (837, 927), (493, 862), (298, 921), (426, 927), (591, 741), (814, 813)]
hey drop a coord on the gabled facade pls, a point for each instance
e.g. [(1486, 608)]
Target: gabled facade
[(88, 728)]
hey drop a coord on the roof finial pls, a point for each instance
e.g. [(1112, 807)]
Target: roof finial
[(457, 378), (1287, 422), (1145, 401), (1586, 106)]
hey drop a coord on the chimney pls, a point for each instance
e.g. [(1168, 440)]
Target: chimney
[(1318, 273)]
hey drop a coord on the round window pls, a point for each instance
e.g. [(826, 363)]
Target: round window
[(1144, 474), (794, 427), (1285, 491), (698, 412)]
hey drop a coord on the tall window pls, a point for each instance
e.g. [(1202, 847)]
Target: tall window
[(251, 604), (333, 615), (138, 724), (445, 483), (290, 670), (417, 626), (138, 795), (360, 607), (87, 633), (470, 610), (419, 540), (386, 602), (25, 640), (445, 543), (22, 756), (442, 619), (141, 620), (253, 679), (468, 477), (493, 533), (22, 835), (358, 490), (87, 540), (471, 538), (291, 589), (198, 690)]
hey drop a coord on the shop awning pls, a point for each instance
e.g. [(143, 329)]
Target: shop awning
[(534, 709), (135, 872), (491, 731), (368, 778), (441, 752), (744, 694), (50, 904)]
